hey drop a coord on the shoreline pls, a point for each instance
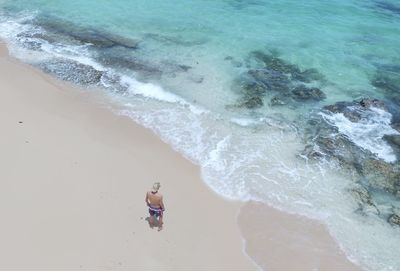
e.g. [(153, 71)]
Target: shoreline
[(225, 212), (283, 241)]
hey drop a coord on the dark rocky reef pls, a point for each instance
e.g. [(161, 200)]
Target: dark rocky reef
[(388, 7), (29, 41), (334, 144), (112, 51), (174, 40), (270, 75), (325, 141), (119, 59), (55, 28), (273, 62), (72, 71), (270, 80), (242, 4)]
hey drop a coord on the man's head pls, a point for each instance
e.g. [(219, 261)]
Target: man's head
[(156, 187)]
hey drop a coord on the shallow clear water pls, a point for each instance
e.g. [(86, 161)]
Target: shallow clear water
[(179, 67)]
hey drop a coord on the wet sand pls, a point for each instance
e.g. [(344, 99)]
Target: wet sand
[(280, 241)]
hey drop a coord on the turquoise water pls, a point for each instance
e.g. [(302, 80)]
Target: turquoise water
[(182, 68)]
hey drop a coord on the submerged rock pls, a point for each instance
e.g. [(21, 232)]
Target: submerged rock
[(101, 39), (304, 93), (268, 73), (388, 82), (185, 68), (251, 102), (272, 74), (364, 199), (277, 101), (175, 40), (393, 140), (114, 58), (396, 126), (273, 62), (312, 151), (394, 217), (198, 79), (394, 220), (114, 83), (368, 103), (253, 89), (104, 39), (123, 41), (387, 6), (346, 109), (270, 79), (307, 76), (382, 175), (319, 142)]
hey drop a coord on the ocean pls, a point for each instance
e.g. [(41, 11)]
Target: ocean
[(291, 103)]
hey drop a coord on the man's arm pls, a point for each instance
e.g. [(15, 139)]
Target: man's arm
[(162, 203), (147, 199)]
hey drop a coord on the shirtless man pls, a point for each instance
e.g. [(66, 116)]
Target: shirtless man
[(154, 201)]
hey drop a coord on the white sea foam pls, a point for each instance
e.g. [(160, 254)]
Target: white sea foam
[(12, 30), (368, 133), (244, 121), (151, 91), (80, 54)]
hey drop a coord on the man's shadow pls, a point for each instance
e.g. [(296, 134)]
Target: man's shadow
[(155, 223)]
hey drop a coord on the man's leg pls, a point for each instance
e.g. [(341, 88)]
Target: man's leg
[(151, 220), (160, 222)]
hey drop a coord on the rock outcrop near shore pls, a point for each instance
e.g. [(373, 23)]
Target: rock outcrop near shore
[(326, 141)]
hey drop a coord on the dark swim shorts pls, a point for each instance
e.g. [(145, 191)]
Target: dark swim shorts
[(155, 211)]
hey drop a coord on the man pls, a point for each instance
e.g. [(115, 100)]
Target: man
[(154, 201)]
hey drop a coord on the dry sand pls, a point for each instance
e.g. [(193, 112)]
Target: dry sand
[(73, 180)]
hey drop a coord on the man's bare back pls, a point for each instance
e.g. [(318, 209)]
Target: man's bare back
[(154, 201)]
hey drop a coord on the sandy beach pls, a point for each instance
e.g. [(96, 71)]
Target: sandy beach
[(73, 182)]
